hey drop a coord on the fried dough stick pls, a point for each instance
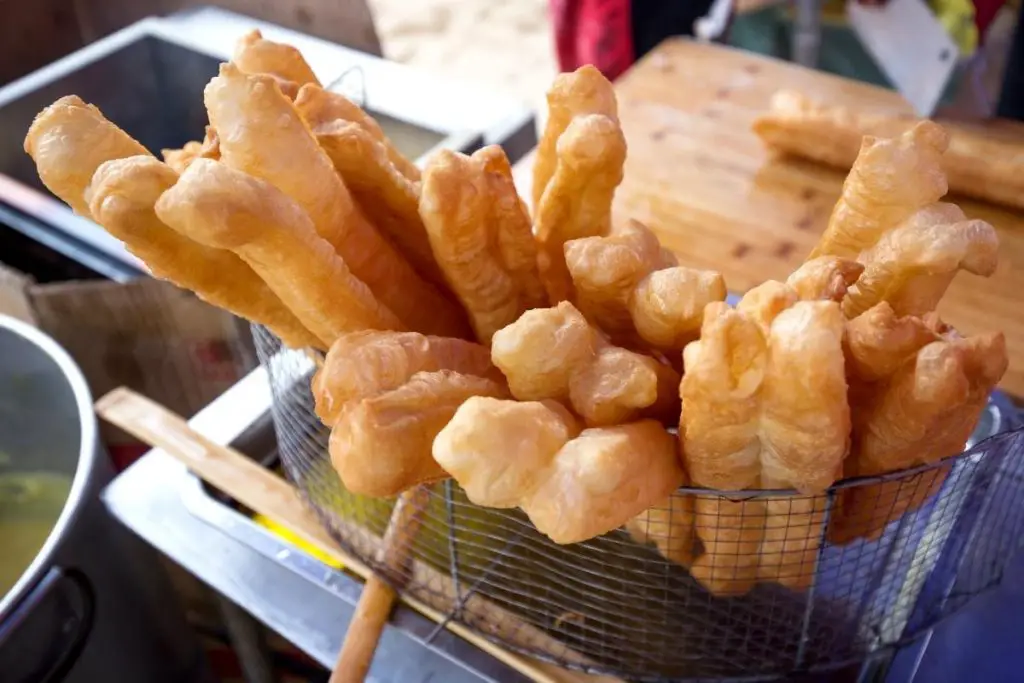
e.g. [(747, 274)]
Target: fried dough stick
[(924, 412), (68, 141), (912, 266), (221, 207), (254, 54), (386, 395), (319, 106), (890, 180), (577, 202), (977, 164), (584, 91), (122, 197), (262, 134), (179, 159), (482, 246), (554, 353), (71, 140), (572, 485)]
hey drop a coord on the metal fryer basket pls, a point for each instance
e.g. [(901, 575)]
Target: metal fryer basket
[(615, 605)]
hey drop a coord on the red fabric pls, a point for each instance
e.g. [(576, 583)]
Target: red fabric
[(595, 32), (985, 12)]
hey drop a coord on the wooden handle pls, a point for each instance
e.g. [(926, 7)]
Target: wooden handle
[(378, 598), (364, 632)]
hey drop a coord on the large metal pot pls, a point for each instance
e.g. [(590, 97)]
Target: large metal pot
[(81, 600)]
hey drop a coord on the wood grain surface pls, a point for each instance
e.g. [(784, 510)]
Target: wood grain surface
[(698, 176)]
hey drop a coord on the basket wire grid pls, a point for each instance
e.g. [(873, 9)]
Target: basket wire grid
[(618, 605)]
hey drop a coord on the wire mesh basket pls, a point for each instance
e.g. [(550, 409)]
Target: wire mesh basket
[(627, 603)]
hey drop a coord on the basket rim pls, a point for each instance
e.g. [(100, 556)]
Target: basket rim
[(979, 449)]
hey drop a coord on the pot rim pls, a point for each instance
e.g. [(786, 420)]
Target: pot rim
[(87, 455)]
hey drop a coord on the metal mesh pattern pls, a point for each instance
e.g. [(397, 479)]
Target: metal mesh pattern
[(627, 603)]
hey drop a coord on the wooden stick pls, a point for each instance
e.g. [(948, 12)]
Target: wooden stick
[(378, 597), (267, 494)]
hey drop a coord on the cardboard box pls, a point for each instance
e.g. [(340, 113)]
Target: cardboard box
[(147, 335)]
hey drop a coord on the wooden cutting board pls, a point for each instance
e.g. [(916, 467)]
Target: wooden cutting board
[(699, 177)]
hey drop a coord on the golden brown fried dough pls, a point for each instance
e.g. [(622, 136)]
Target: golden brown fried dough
[(386, 395), (923, 412), (585, 91), (669, 525), (889, 182), (512, 227), (578, 200), (122, 197), (365, 363), (68, 141), (460, 207), (731, 532), (572, 485), (912, 266), (221, 207), (179, 159), (389, 199), (262, 134), (254, 54), (878, 342), (381, 445), (319, 106)]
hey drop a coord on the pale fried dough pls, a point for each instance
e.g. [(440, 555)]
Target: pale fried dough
[(381, 445), (540, 351), (554, 353), (68, 141), (824, 277), (890, 180), (500, 451), (605, 269), (463, 211), (254, 54), (602, 479), (122, 197), (912, 266), (667, 306), (578, 200), (225, 208), (585, 91), (319, 106), (572, 485), (977, 164), (805, 423), (262, 134), (720, 392)]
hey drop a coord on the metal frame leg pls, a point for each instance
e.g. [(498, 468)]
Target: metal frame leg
[(806, 33)]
